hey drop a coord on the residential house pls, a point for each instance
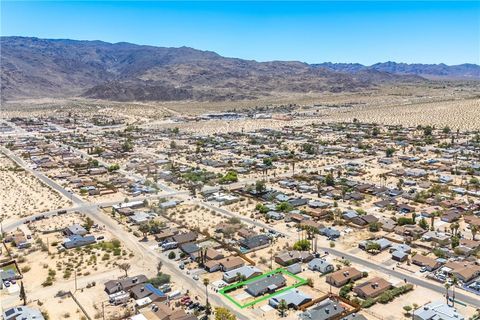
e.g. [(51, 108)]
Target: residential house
[(182, 238), (330, 232), (429, 263), (372, 288), (231, 263), (256, 242), (161, 311), (293, 297), (399, 255), (268, 284), (22, 313), (144, 290), (440, 238), (409, 230), (245, 272), (286, 258), (75, 229), (343, 276), (437, 310), (114, 286), (212, 254), (321, 265), (76, 241), (327, 309)]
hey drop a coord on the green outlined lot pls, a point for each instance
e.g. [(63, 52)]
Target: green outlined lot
[(224, 291)]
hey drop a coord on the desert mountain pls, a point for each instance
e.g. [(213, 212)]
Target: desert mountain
[(32, 67), (465, 71)]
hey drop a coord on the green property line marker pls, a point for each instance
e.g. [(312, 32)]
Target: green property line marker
[(224, 291)]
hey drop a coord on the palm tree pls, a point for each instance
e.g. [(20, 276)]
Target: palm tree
[(319, 189), (455, 226), (454, 284), (23, 294), (447, 286), (205, 283)]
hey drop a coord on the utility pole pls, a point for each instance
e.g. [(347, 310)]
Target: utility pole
[(75, 272)]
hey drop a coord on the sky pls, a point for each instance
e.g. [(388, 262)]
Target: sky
[(312, 32)]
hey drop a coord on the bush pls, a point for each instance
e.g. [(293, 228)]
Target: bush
[(25, 269), (47, 282), (160, 279), (302, 245), (368, 303), (172, 255), (345, 290)]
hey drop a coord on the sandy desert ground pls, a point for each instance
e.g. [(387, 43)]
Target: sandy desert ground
[(27, 195), (456, 104)]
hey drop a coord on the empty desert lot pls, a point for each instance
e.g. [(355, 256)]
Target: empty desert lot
[(458, 114), (24, 194)]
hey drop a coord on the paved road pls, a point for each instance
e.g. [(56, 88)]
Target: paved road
[(473, 301), (128, 239), (85, 206)]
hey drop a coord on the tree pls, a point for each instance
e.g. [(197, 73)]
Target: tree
[(474, 230), (454, 284), (423, 224), (329, 180), (407, 310), (427, 131), (302, 245), (454, 227), (224, 314), (268, 162), (205, 283), (88, 224), (284, 206), (229, 177), (260, 186), (172, 255), (282, 307), (144, 228), (23, 294), (447, 286), (373, 247), (125, 267), (374, 226)]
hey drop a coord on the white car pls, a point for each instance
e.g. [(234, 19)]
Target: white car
[(195, 277)]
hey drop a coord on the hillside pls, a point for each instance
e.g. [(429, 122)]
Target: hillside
[(37, 68), (431, 71)]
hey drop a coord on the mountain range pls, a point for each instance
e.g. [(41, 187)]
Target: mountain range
[(466, 71), (38, 68)]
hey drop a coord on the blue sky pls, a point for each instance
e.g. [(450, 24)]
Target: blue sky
[(340, 31)]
